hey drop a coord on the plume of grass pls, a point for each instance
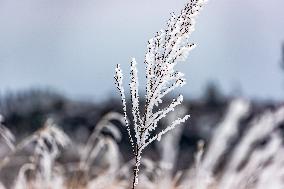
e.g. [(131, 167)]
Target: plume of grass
[(46, 144), (252, 164), (99, 149), (238, 175), (112, 159), (164, 51), (93, 144), (7, 135), (226, 130)]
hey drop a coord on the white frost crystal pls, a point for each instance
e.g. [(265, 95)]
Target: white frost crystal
[(164, 51)]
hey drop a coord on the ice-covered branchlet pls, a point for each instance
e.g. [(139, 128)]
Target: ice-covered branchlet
[(164, 51)]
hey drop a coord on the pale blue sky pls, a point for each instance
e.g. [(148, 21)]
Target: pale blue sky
[(73, 45)]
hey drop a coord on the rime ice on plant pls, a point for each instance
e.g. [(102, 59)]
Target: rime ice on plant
[(164, 51)]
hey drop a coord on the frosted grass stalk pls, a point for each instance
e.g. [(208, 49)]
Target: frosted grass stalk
[(164, 51)]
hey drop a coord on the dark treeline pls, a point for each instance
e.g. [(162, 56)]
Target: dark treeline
[(25, 112)]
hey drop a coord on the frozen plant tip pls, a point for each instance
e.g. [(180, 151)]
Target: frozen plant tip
[(168, 47)]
